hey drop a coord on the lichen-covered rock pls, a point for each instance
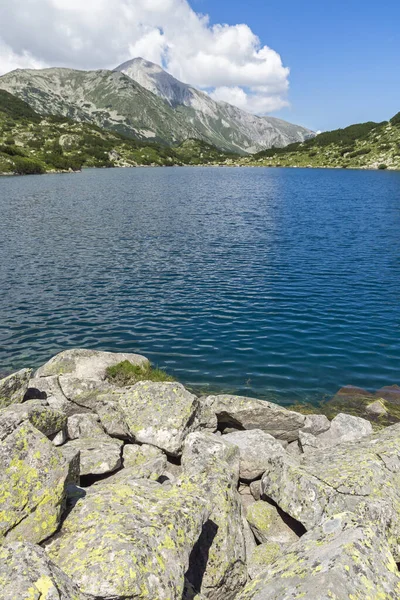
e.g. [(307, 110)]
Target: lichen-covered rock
[(160, 414), (84, 425), (316, 424), (131, 541), (48, 388), (146, 461), (255, 489), (86, 364), (113, 419), (341, 558), (99, 455), (27, 573), (377, 408), (206, 419), (255, 448), (268, 526), (247, 413), (246, 497), (13, 388), (362, 477), (345, 428), (33, 476), (263, 556), (218, 568), (42, 416)]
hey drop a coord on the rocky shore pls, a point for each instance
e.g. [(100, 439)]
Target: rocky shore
[(149, 492)]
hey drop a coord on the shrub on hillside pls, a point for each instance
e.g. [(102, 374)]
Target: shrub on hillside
[(27, 166), (382, 167)]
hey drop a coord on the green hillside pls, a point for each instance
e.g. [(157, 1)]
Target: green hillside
[(32, 143), (363, 146)]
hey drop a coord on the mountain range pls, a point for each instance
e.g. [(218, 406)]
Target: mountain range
[(141, 100)]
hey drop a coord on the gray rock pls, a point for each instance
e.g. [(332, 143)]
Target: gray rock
[(246, 497), (341, 558), (294, 448), (44, 418), (261, 557), (218, 569), (345, 428), (13, 388), (60, 438), (362, 477), (206, 419), (159, 414), (255, 448), (247, 413), (84, 392), (86, 364), (48, 388), (98, 455), (255, 489), (33, 476), (131, 541), (268, 526), (309, 443), (316, 424), (148, 462), (84, 425), (112, 419), (26, 572)]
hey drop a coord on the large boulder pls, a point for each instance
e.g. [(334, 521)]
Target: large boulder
[(247, 413), (341, 558), (218, 562), (13, 388), (362, 477), (86, 364), (131, 541), (268, 526), (147, 462), (33, 478), (99, 455), (49, 389), (84, 425), (345, 428), (255, 448), (42, 416), (27, 573), (261, 557), (159, 414)]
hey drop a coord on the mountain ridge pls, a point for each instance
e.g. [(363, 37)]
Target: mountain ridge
[(115, 101)]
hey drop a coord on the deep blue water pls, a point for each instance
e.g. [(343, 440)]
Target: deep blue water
[(276, 283)]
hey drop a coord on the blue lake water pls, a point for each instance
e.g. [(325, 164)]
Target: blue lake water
[(276, 283)]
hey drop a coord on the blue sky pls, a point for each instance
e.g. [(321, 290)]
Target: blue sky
[(344, 56)]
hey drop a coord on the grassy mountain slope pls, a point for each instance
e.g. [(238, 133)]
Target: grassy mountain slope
[(363, 146), (33, 143)]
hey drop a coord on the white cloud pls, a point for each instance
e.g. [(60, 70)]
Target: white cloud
[(90, 34)]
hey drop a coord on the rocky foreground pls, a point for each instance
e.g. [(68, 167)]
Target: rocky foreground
[(147, 491)]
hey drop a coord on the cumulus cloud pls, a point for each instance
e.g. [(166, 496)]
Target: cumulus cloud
[(228, 61)]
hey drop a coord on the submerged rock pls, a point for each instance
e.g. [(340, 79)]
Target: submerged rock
[(27, 573), (341, 558), (255, 448), (247, 413), (131, 541), (86, 364), (13, 388), (33, 478)]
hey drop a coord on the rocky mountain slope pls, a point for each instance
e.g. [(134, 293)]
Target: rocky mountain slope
[(362, 146), (115, 101), (218, 122), (33, 143), (136, 489)]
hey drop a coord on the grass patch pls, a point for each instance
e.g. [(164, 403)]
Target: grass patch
[(125, 373)]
